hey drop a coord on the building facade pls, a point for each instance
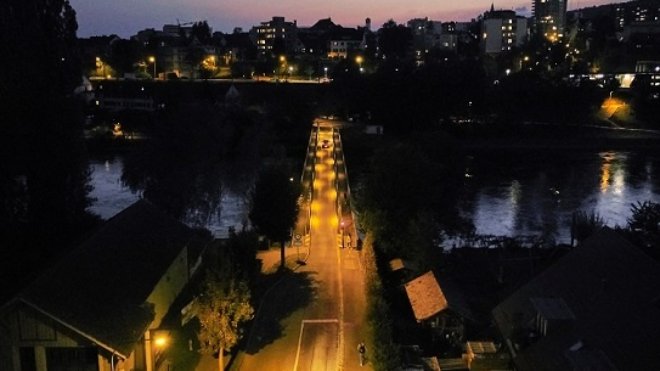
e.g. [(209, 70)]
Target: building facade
[(550, 18), (502, 30), (102, 307), (276, 36)]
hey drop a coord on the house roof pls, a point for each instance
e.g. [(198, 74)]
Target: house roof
[(425, 296), (481, 347), (610, 292), (428, 299), (324, 25), (397, 264), (101, 288)]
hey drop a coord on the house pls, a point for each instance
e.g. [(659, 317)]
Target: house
[(101, 307), (596, 308), (441, 308), (344, 42)]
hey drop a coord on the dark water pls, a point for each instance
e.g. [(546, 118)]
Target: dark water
[(505, 194), (112, 197), (536, 193)]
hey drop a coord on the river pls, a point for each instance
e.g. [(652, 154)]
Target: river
[(111, 196), (512, 194), (536, 193)]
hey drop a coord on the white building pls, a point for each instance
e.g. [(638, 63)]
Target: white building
[(502, 30)]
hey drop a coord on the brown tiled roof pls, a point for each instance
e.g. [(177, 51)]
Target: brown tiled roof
[(425, 296)]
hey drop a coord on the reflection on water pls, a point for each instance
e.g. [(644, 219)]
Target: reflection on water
[(514, 195), (536, 193), (111, 196)]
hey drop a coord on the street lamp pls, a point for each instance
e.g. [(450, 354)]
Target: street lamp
[(359, 61), (100, 65), (152, 59), (155, 343), (325, 71)]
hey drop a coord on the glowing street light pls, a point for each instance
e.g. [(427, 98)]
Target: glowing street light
[(152, 59), (359, 61), (160, 342), (100, 66)]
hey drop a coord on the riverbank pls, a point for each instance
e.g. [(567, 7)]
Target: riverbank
[(537, 136)]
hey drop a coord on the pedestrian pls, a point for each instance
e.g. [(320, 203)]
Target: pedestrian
[(362, 349)]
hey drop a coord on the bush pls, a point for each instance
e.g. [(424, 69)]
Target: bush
[(385, 354)]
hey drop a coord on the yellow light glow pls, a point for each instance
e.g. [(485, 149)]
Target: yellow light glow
[(605, 177), (152, 59), (282, 58), (334, 221), (315, 221), (316, 206), (160, 341), (358, 59), (332, 194)]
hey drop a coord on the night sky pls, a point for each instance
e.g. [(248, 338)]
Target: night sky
[(126, 17)]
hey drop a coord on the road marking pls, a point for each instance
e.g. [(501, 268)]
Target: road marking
[(300, 337)]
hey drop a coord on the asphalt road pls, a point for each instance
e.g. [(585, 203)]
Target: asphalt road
[(321, 329)]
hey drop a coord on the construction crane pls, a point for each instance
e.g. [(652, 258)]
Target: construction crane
[(183, 24)]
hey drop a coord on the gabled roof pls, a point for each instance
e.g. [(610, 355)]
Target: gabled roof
[(324, 25), (101, 288), (611, 288), (428, 299)]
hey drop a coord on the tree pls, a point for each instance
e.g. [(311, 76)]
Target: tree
[(645, 223), (194, 57), (395, 41), (124, 55), (43, 166), (221, 310), (275, 206), (584, 225), (202, 32)]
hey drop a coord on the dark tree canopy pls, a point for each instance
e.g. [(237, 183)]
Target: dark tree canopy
[(43, 166), (395, 41), (275, 205)]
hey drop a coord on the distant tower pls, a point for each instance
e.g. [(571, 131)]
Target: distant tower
[(367, 24), (550, 18)]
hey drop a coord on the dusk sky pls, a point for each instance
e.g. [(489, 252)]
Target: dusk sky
[(126, 17)]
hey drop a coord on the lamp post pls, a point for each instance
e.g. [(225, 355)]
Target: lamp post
[(342, 234), (152, 59), (155, 342), (359, 61), (325, 71), (282, 65)]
